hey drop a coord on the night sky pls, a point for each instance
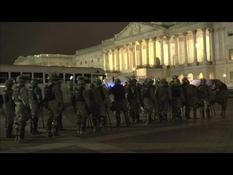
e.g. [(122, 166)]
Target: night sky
[(29, 38)]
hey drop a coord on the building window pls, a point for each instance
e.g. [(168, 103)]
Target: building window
[(231, 76), (92, 60), (85, 62), (80, 62), (231, 54)]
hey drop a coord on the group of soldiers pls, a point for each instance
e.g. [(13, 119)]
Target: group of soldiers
[(139, 103), (23, 103)]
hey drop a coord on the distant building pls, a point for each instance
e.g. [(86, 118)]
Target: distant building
[(156, 50)]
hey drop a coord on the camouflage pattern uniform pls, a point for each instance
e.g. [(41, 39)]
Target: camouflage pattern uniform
[(60, 117), (8, 108), (54, 104), (148, 99), (81, 105), (120, 103), (22, 111), (204, 95), (102, 102), (35, 103), (72, 96), (176, 98), (133, 97), (162, 95)]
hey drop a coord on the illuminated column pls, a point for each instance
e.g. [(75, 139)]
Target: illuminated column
[(185, 49), (204, 45), (194, 45), (113, 60), (211, 36), (161, 44), (147, 52), (123, 58), (105, 61), (118, 59), (140, 54), (177, 56), (169, 51), (154, 39), (134, 54), (128, 57)]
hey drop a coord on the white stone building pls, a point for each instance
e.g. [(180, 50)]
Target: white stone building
[(193, 49)]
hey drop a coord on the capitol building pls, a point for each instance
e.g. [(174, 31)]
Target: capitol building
[(156, 50)]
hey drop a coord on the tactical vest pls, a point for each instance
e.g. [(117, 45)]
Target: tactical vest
[(203, 91), (146, 92), (49, 94), (16, 94), (79, 94), (176, 91), (32, 94)]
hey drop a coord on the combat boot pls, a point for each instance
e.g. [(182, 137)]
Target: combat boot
[(118, 121), (18, 139), (148, 120), (50, 134)]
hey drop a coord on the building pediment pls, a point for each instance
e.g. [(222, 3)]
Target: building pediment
[(136, 28)]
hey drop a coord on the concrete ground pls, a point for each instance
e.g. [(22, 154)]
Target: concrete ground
[(193, 136)]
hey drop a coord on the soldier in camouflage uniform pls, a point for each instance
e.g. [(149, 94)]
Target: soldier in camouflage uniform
[(22, 111), (54, 104), (102, 101), (120, 103), (176, 97), (81, 105), (60, 117), (204, 96), (35, 103), (8, 108), (133, 97), (72, 96), (163, 98), (148, 99)]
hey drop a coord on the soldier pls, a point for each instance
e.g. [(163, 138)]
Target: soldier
[(8, 108), (81, 105), (185, 85), (54, 104), (72, 96), (190, 98), (35, 103), (204, 95), (133, 97), (148, 99), (163, 99), (176, 98), (20, 97), (60, 117), (120, 103), (103, 101)]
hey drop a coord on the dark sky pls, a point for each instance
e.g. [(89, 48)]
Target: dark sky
[(29, 38)]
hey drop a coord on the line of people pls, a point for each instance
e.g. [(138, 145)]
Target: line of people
[(93, 101)]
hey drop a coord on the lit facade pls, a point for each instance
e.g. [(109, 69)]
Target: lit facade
[(162, 49)]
